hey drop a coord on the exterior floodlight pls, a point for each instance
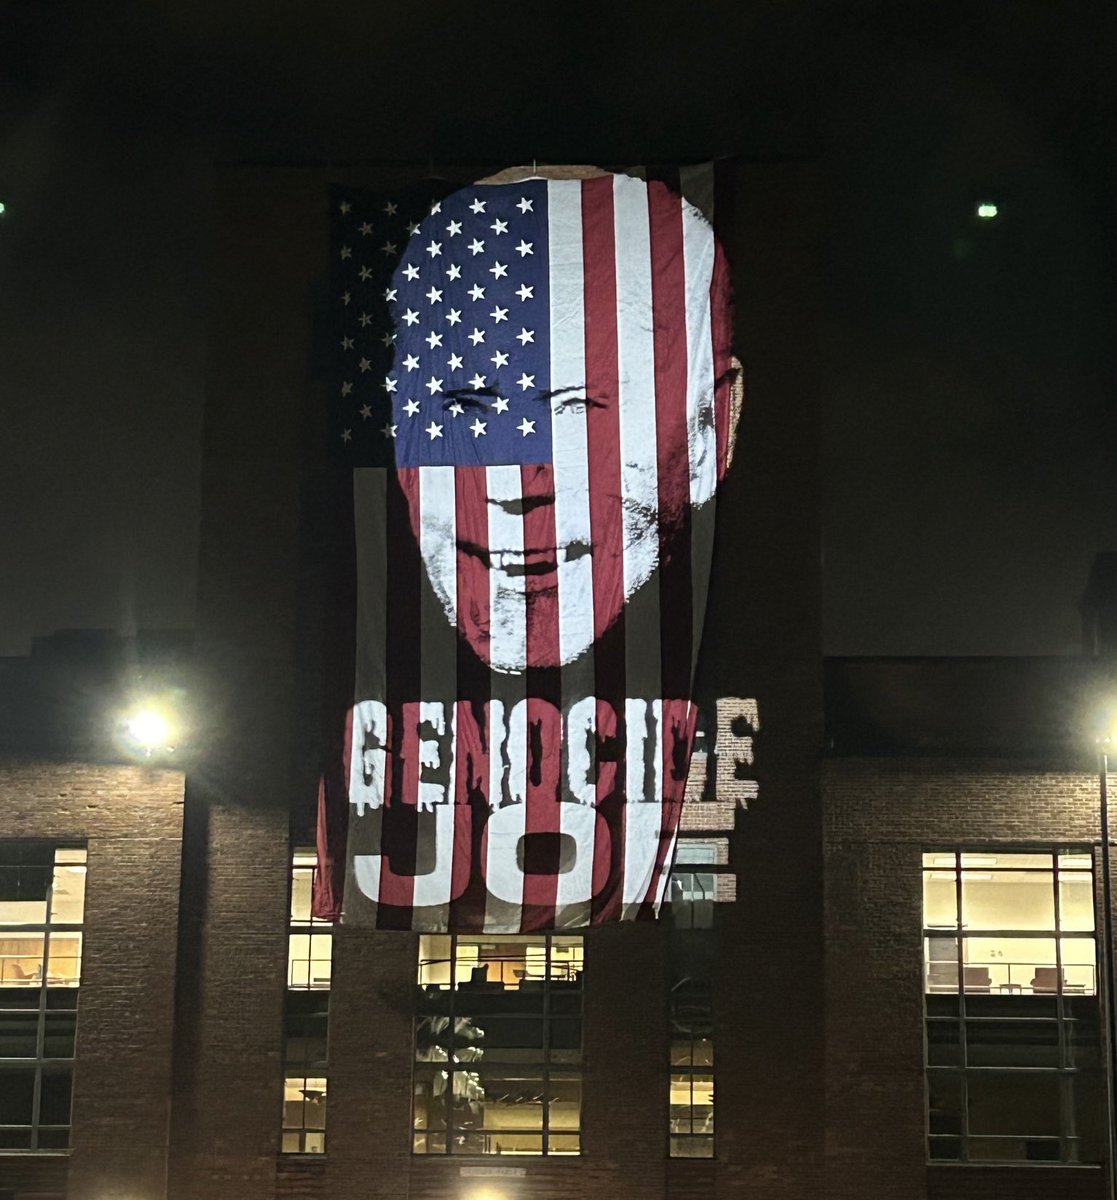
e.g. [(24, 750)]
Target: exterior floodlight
[(3, 208), (146, 731), (149, 728), (986, 211)]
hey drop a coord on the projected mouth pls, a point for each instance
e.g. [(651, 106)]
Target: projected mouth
[(529, 561)]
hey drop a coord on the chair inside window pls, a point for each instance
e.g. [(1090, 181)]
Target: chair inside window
[(1046, 979), (977, 979)]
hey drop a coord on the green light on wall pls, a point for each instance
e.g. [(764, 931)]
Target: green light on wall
[(986, 211)]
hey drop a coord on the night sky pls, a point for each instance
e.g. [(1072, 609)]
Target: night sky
[(969, 368)]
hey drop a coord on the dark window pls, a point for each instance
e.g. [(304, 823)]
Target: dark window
[(498, 1045), (306, 1015), (1010, 984), (42, 906)]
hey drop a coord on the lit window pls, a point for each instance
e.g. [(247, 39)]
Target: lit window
[(690, 1005), (1010, 982), (498, 1045), (42, 906), (306, 1015)]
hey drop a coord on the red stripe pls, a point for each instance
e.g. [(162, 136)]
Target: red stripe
[(673, 463), (607, 531), (722, 336), (471, 500), (673, 471), (544, 722), (471, 793)]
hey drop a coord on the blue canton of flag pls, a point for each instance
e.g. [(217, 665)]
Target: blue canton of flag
[(471, 377)]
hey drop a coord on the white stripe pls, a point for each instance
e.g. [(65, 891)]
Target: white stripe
[(570, 453), (437, 678), (507, 592), (568, 421), (638, 433), (698, 265)]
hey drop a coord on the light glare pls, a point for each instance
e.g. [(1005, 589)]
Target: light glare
[(986, 211), (149, 728)]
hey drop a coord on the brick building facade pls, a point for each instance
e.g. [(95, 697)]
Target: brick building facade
[(816, 988)]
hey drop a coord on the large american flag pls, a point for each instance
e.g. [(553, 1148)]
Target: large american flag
[(534, 384)]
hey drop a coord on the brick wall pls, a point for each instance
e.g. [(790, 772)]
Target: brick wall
[(260, 621), (130, 818), (880, 815)]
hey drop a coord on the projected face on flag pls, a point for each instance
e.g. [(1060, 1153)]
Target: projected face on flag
[(562, 404), (561, 357)]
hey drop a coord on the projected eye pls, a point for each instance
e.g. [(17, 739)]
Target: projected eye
[(577, 404)]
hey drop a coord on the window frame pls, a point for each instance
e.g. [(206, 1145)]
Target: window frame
[(1065, 1011), (41, 1063), (549, 1071), (301, 1074)]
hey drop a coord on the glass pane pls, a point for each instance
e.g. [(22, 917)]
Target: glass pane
[(78, 855), (19, 1034), (58, 1039), (53, 1139), (1010, 964), (298, 960), (67, 898), (945, 1149), (497, 1142), (940, 900), (941, 957), (564, 1143), (431, 1088), (22, 912), (1018, 1104), (301, 881), (1014, 1149), (17, 1093), (54, 1096), (1076, 900), (1079, 965), (1083, 1043), (21, 961), (944, 1047), (944, 859), (64, 960), (944, 1102), (497, 1100), (567, 958), (1012, 1043), (1000, 860), (565, 1102), (1022, 900), (321, 959), (1088, 1106), (434, 960), (691, 1147)]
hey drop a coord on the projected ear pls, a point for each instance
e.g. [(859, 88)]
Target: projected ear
[(736, 402)]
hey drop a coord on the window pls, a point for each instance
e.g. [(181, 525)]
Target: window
[(42, 905), (306, 1015), (1010, 984), (690, 1005), (498, 1045)]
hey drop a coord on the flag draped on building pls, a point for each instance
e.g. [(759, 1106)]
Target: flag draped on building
[(536, 390)]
